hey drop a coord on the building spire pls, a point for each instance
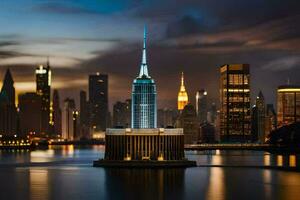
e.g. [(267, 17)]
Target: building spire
[(182, 87), (183, 98), (144, 68)]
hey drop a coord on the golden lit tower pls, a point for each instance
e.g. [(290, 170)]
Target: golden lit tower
[(182, 95)]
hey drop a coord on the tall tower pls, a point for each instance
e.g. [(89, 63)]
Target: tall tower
[(235, 116), (43, 89), (182, 95), (98, 101), (258, 119), (201, 105), (8, 89), (56, 114), (144, 107)]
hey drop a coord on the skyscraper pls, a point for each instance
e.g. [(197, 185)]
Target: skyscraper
[(56, 114), (235, 118), (8, 112), (201, 105), (69, 120), (258, 119), (288, 104), (84, 116), (271, 119), (183, 98), (30, 112), (98, 101), (43, 88), (144, 108)]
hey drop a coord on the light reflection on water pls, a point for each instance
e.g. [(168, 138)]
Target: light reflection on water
[(65, 172)]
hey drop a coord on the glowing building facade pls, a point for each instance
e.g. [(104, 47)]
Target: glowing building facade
[(144, 108), (235, 114), (143, 141), (43, 89), (288, 105), (183, 98)]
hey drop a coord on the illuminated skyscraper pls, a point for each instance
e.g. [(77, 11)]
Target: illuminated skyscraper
[(235, 119), (201, 105), (98, 101), (183, 98), (69, 120), (288, 105), (144, 108), (43, 89)]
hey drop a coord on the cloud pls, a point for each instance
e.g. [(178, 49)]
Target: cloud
[(282, 64)]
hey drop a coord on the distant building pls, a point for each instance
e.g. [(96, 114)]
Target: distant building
[(98, 101), (56, 114), (207, 133), (271, 119), (201, 105), (288, 105), (69, 120), (182, 99), (235, 116), (165, 118), (8, 112), (84, 116), (43, 88), (121, 114), (30, 113), (212, 114), (258, 119), (189, 122)]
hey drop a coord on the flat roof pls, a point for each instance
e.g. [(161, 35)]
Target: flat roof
[(155, 131)]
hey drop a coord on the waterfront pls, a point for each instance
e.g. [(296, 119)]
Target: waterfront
[(66, 172)]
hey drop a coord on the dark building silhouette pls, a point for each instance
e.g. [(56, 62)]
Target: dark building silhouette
[(84, 116), (121, 114), (258, 119), (56, 114), (98, 101), (212, 114), (43, 88), (166, 118), (8, 111), (271, 119), (30, 113), (189, 122), (235, 114), (207, 133), (201, 105)]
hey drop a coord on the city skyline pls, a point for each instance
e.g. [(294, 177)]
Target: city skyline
[(194, 37)]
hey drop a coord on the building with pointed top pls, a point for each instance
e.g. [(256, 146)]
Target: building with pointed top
[(144, 145), (183, 98), (258, 119), (144, 107), (8, 112)]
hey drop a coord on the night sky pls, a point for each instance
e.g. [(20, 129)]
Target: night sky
[(195, 36)]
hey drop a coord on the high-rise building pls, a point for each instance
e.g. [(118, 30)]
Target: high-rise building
[(182, 99), (144, 108), (288, 104), (56, 114), (8, 112), (189, 122), (98, 101), (235, 116), (69, 122), (84, 116), (30, 113), (271, 119), (212, 114), (121, 112), (43, 88), (201, 105), (258, 119)]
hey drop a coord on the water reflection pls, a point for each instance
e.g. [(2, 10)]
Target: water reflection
[(216, 188), (145, 183), (39, 187)]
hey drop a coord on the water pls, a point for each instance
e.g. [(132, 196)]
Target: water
[(65, 172)]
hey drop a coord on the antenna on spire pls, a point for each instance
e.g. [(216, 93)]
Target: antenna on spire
[(182, 78), (144, 68), (48, 62)]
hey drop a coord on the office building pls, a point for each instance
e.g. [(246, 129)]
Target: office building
[(258, 119), (288, 104), (56, 114), (271, 119), (98, 102), (235, 116), (69, 120), (121, 114), (43, 88)]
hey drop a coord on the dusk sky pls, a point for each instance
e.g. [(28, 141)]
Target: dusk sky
[(195, 36)]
